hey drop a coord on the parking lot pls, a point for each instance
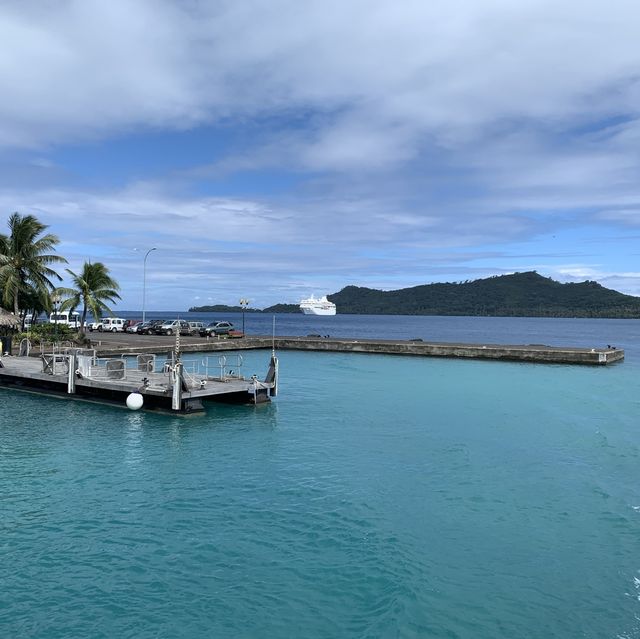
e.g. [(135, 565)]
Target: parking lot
[(133, 340)]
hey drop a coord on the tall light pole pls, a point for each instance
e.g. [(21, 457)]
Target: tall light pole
[(244, 303), (55, 298), (144, 282)]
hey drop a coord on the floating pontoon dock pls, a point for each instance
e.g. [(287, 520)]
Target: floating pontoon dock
[(165, 384)]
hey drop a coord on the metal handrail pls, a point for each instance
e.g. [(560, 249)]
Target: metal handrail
[(226, 371)]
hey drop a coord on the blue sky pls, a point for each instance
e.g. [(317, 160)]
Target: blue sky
[(270, 150)]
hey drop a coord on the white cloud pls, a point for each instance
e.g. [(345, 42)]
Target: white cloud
[(624, 281), (220, 244), (427, 129), (626, 216), (386, 75)]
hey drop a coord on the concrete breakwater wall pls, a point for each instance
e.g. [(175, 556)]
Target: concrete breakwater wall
[(524, 353)]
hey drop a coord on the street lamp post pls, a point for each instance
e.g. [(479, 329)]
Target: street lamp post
[(244, 303), (144, 282), (56, 300)]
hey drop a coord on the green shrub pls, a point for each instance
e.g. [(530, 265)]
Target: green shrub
[(49, 333)]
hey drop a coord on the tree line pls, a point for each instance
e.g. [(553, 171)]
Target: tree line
[(517, 295), (28, 279)]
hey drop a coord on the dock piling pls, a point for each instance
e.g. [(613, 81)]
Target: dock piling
[(71, 374), (176, 378), (272, 375)]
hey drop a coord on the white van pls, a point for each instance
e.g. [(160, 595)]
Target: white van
[(113, 324), (66, 318)]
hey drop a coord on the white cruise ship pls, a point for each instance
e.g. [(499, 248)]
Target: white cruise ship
[(317, 306)]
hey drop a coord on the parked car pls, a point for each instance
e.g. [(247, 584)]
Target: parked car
[(216, 328), (95, 326), (156, 329), (113, 324), (172, 327), (146, 328), (196, 327), (132, 326)]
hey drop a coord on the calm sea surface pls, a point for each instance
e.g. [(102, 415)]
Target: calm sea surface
[(378, 496)]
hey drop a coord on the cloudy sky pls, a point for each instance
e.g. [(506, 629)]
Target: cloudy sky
[(270, 149)]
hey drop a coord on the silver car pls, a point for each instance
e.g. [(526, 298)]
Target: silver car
[(195, 327), (216, 328), (172, 327)]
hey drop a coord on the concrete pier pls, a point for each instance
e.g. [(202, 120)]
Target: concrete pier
[(114, 345), (537, 353)]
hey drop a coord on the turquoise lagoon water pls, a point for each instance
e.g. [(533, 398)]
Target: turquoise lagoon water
[(377, 497)]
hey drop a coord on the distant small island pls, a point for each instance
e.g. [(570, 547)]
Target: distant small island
[(223, 308), (526, 294)]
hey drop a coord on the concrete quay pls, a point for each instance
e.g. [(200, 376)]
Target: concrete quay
[(537, 353), (116, 344)]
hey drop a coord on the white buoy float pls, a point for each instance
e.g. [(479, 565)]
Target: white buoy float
[(135, 401)]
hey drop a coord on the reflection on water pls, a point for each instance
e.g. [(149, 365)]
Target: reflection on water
[(135, 420), (133, 438)]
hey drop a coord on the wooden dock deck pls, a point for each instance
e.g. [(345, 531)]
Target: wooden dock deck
[(165, 386)]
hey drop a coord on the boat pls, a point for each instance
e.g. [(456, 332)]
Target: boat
[(317, 306)]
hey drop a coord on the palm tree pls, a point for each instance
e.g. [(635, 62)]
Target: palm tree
[(25, 259), (91, 288), (33, 302)]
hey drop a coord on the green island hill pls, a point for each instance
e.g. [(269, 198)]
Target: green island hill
[(526, 294)]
